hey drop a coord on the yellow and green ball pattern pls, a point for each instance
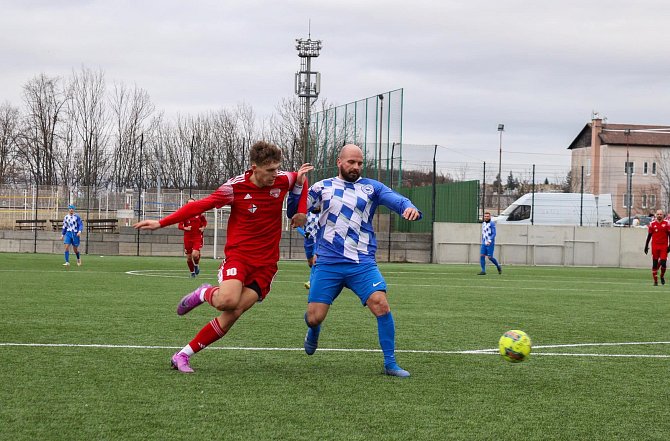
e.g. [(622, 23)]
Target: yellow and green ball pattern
[(514, 346)]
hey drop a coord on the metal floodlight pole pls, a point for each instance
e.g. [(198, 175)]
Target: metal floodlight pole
[(501, 129), (307, 85)]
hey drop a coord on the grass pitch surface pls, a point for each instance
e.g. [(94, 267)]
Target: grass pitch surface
[(85, 355)]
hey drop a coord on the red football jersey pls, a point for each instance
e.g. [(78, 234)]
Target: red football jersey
[(196, 222), (659, 233), (255, 223)]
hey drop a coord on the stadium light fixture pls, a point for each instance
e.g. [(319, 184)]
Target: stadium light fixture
[(307, 85)]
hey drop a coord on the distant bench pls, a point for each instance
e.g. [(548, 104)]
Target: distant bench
[(56, 224), (31, 224), (106, 225)]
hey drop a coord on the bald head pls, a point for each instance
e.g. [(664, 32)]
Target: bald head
[(350, 162)]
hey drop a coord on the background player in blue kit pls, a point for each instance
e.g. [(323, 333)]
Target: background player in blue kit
[(346, 249), (488, 244), (309, 235), (72, 228)]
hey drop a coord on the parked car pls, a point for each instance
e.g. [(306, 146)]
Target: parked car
[(625, 221)]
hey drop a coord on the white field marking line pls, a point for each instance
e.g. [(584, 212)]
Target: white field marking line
[(167, 274), (406, 351), (161, 273)]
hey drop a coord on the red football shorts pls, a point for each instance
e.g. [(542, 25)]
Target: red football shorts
[(234, 268), (191, 244), (660, 252)]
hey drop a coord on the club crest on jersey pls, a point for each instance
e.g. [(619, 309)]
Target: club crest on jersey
[(275, 192), (252, 208), (368, 189)]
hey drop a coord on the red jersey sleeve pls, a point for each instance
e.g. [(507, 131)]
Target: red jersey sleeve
[(222, 196)]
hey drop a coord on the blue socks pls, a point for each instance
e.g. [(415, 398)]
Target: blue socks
[(386, 331), (67, 256), (482, 262), (495, 262), (78, 255), (312, 332)]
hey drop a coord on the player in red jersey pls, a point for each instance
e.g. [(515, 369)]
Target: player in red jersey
[(659, 232), (252, 243), (193, 240)]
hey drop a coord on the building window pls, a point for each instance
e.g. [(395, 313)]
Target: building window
[(653, 168), (644, 200), (651, 199), (630, 164), (588, 167), (645, 168), (625, 200)]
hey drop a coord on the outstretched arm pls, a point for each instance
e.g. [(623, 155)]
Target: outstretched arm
[(222, 196), (397, 202)]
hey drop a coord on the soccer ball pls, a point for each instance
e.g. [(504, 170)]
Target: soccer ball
[(514, 346)]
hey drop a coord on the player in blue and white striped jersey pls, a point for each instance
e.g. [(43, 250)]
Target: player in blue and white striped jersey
[(346, 249), (72, 228), (488, 244)]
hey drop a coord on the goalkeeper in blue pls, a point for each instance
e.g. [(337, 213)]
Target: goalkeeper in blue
[(346, 249), (488, 244), (72, 228)]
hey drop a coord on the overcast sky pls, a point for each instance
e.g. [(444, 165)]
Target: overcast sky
[(539, 67)]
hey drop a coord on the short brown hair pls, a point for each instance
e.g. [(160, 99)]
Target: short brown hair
[(263, 153)]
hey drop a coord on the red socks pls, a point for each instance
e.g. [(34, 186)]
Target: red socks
[(210, 333), (191, 266)]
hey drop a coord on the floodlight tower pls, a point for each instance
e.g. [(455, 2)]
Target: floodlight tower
[(307, 86)]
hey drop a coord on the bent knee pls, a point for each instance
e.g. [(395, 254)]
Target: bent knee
[(224, 302), (377, 304)]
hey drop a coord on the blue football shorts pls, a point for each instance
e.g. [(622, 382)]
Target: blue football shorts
[(487, 250), (71, 238), (327, 280)]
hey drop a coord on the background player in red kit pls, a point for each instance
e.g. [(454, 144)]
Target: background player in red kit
[(193, 240), (659, 231), (252, 243)]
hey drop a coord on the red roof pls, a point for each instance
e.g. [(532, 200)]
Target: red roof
[(614, 134)]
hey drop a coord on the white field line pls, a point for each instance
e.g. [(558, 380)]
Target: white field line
[(407, 351), (182, 274)]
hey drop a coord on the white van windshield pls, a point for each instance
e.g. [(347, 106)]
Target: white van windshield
[(521, 212), (508, 210)]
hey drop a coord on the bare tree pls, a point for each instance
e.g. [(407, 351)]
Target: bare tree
[(663, 173), (37, 145), (131, 111), (88, 111), (284, 129), (246, 124), (9, 132)]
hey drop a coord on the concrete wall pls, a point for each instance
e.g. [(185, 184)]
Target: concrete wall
[(453, 243), (545, 245), (405, 247)]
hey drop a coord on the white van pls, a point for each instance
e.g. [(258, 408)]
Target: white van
[(559, 209)]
